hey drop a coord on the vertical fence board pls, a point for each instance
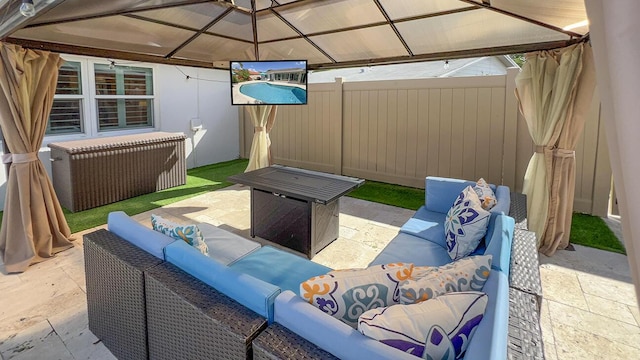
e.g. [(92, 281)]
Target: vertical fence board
[(392, 131), (497, 135), (433, 140), (412, 133), (457, 127), (422, 133), (401, 133), (469, 133), (382, 132), (444, 155), (483, 135), (372, 129)]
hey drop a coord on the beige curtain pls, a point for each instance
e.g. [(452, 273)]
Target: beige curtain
[(33, 225), (263, 117), (554, 89)]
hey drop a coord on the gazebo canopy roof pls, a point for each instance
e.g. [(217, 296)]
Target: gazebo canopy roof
[(327, 33)]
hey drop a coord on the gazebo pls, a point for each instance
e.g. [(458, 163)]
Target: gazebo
[(329, 34)]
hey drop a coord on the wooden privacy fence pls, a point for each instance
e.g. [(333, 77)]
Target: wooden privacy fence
[(400, 131)]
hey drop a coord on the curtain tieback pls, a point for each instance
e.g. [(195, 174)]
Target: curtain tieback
[(20, 158), (258, 129), (564, 153), (541, 148)]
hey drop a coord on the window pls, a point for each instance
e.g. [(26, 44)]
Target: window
[(124, 97), (66, 113), (109, 98)]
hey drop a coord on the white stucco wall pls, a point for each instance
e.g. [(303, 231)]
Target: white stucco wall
[(489, 65), (204, 97)]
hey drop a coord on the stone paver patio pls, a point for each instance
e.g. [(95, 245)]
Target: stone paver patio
[(589, 309)]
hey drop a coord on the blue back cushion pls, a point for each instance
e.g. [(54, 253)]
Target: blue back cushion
[(412, 249), (279, 268), (139, 235), (253, 293), (490, 339), (498, 241), (441, 192), (428, 225)]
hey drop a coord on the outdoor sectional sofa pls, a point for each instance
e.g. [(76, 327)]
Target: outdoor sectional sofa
[(179, 303)]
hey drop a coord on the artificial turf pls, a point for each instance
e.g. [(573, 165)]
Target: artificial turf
[(593, 232), (586, 230)]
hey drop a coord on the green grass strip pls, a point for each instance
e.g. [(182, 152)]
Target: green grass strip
[(593, 232), (396, 195)]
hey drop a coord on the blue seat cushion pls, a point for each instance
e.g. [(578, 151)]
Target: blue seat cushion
[(279, 268), (253, 293), (426, 224), (412, 249), (224, 246)]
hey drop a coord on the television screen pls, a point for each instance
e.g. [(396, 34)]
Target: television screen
[(269, 82)]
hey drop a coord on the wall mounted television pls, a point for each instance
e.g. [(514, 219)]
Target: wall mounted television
[(268, 82)]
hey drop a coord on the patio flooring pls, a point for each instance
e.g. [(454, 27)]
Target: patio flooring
[(589, 309)]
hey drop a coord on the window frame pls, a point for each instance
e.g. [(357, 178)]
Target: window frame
[(120, 82), (89, 103)]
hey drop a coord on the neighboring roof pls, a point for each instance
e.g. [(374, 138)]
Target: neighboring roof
[(420, 70), (280, 71), (328, 33)]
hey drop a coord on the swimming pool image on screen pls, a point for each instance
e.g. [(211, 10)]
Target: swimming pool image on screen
[(275, 94), (268, 82)]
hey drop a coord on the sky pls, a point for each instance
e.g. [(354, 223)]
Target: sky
[(262, 66)]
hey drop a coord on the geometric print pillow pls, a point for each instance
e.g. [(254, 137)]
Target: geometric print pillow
[(467, 274), (485, 194), (189, 233), (347, 294), (439, 328), (465, 224)]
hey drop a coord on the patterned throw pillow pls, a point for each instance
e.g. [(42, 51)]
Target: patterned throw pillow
[(467, 274), (485, 194), (465, 224), (189, 233), (347, 294), (436, 329)]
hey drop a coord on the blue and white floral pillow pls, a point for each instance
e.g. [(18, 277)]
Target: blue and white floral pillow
[(189, 233), (439, 328), (467, 274), (465, 224), (485, 194), (347, 294)]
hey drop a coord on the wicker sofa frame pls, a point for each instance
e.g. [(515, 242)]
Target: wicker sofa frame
[(142, 307), (525, 296)]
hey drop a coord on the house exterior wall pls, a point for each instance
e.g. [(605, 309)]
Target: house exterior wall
[(203, 98), (485, 66), (400, 131)]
